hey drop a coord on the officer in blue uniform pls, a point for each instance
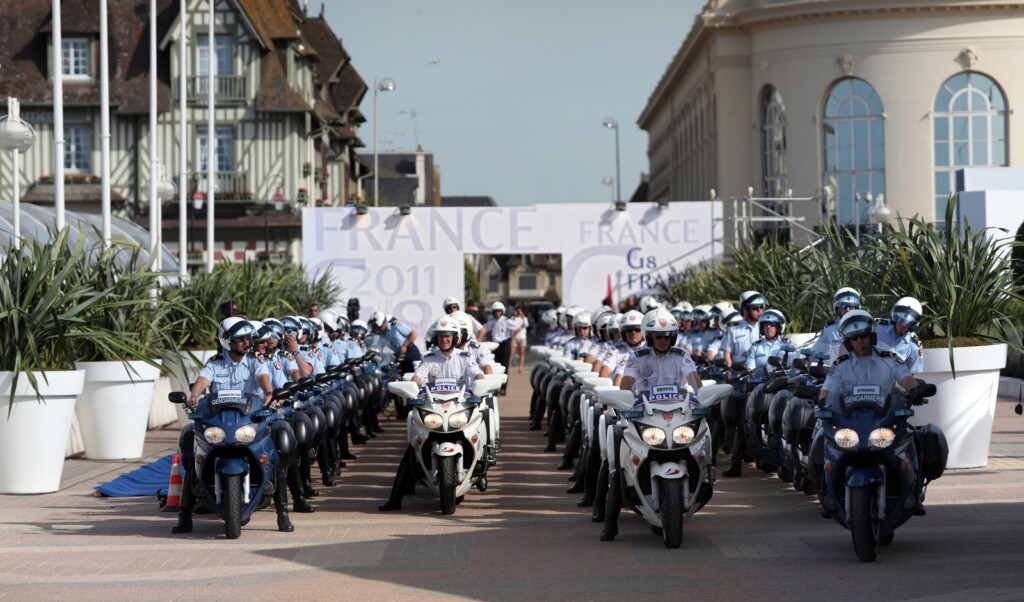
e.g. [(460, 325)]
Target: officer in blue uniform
[(898, 333)]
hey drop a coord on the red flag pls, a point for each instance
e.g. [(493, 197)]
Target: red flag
[(611, 303)]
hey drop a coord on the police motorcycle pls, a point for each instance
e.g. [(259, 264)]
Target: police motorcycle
[(448, 434), (235, 453), (661, 448), (791, 419), (764, 407)]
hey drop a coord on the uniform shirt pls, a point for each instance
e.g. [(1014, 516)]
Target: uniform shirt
[(624, 355), (501, 329), (552, 337), (394, 336), (907, 347), (276, 363), (881, 369), (611, 356), (710, 340), (648, 369), (479, 353), (757, 359), (474, 326), (458, 364), (580, 347), (830, 341), (739, 339), (225, 373), (315, 358), (693, 340)]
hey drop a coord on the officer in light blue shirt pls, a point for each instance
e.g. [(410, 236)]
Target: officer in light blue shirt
[(830, 341), (772, 325), (898, 333), (740, 338)]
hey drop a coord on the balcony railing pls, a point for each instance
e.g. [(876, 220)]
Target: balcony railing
[(230, 89), (232, 186)]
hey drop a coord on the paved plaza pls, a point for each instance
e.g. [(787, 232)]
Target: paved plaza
[(524, 539)]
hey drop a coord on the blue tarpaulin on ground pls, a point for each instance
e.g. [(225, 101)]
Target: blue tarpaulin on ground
[(145, 480)]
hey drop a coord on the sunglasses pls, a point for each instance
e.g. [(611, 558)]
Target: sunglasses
[(857, 337), (756, 308), (848, 306), (451, 307), (629, 330), (661, 336)]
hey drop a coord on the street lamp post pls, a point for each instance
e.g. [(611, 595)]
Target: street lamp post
[(385, 85), (614, 125), (17, 136), (610, 183), (880, 213)]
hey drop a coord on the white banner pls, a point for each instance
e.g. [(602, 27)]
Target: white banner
[(407, 265)]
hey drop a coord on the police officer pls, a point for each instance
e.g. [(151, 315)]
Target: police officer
[(502, 329), (897, 333), (452, 305), (657, 364), (235, 370), (771, 325), (844, 301), (444, 361)]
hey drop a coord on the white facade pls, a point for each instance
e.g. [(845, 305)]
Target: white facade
[(746, 102)]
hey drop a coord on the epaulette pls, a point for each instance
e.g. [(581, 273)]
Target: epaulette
[(830, 323), (642, 352), (288, 355), (717, 338), (473, 344), (464, 353), (889, 354), (676, 350), (882, 321), (216, 358), (839, 360), (260, 358), (326, 345), (915, 339), (431, 353)]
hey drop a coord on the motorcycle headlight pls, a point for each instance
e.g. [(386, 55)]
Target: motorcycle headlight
[(214, 435), (458, 420), (245, 434), (882, 437), (847, 438), (683, 435), (653, 435), (431, 420)]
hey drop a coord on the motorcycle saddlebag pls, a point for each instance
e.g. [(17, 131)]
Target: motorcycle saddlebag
[(932, 450)]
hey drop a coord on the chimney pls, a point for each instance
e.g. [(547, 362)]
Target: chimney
[(421, 176)]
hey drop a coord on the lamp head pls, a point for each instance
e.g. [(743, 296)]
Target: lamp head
[(620, 205), (663, 204), (404, 210), (386, 85), (610, 123), (360, 209)]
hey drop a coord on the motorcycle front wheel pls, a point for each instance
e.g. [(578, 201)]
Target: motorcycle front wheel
[(864, 523), (672, 512), (232, 501), (446, 484)]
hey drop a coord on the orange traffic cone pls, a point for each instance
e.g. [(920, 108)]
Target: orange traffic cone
[(174, 487)]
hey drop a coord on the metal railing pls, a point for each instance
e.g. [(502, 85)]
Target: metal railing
[(232, 186), (229, 89)]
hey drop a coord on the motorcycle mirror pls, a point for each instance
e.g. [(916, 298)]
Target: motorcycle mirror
[(800, 364), (775, 361), (177, 397), (805, 391), (404, 388), (737, 366), (719, 362), (818, 371)]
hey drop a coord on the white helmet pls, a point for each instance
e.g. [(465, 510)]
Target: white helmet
[(752, 299), (377, 319), (276, 328), (907, 311), (261, 332), (724, 308), (702, 313), (845, 296), (631, 320), (466, 330), (857, 323), (498, 306), (329, 317), (602, 324), (449, 301), (549, 318), (648, 302), (659, 321), (447, 325), (359, 328), (234, 329), (582, 320), (772, 316), (729, 319), (613, 324)]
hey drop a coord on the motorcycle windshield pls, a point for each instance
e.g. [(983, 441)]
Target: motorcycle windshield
[(864, 396), (228, 399)]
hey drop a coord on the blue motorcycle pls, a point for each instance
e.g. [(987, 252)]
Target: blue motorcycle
[(235, 457), (876, 465)]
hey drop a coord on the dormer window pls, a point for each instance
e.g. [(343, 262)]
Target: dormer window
[(75, 59)]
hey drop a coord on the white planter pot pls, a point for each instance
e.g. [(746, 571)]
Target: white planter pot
[(34, 434), (194, 362), (161, 412), (963, 407), (113, 409)]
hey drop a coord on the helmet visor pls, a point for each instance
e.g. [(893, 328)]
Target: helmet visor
[(855, 329), (905, 316)]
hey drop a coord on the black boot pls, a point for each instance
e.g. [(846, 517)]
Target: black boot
[(403, 484), (613, 506), (186, 504), (299, 503), (739, 444), (281, 505), (572, 446), (323, 464), (601, 494)]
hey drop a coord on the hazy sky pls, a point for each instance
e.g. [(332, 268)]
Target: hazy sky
[(510, 96)]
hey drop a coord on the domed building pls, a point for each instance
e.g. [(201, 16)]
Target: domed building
[(838, 102)]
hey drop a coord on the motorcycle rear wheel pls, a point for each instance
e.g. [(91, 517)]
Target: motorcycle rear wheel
[(232, 506), (672, 512), (864, 523), (446, 484)]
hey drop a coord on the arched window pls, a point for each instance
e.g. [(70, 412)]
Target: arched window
[(854, 138), (970, 130), (773, 144)]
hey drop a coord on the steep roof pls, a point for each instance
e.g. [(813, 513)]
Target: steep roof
[(319, 35), (275, 95), (25, 28)]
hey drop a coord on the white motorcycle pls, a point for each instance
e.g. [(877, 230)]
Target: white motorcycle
[(448, 430), (662, 448)]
